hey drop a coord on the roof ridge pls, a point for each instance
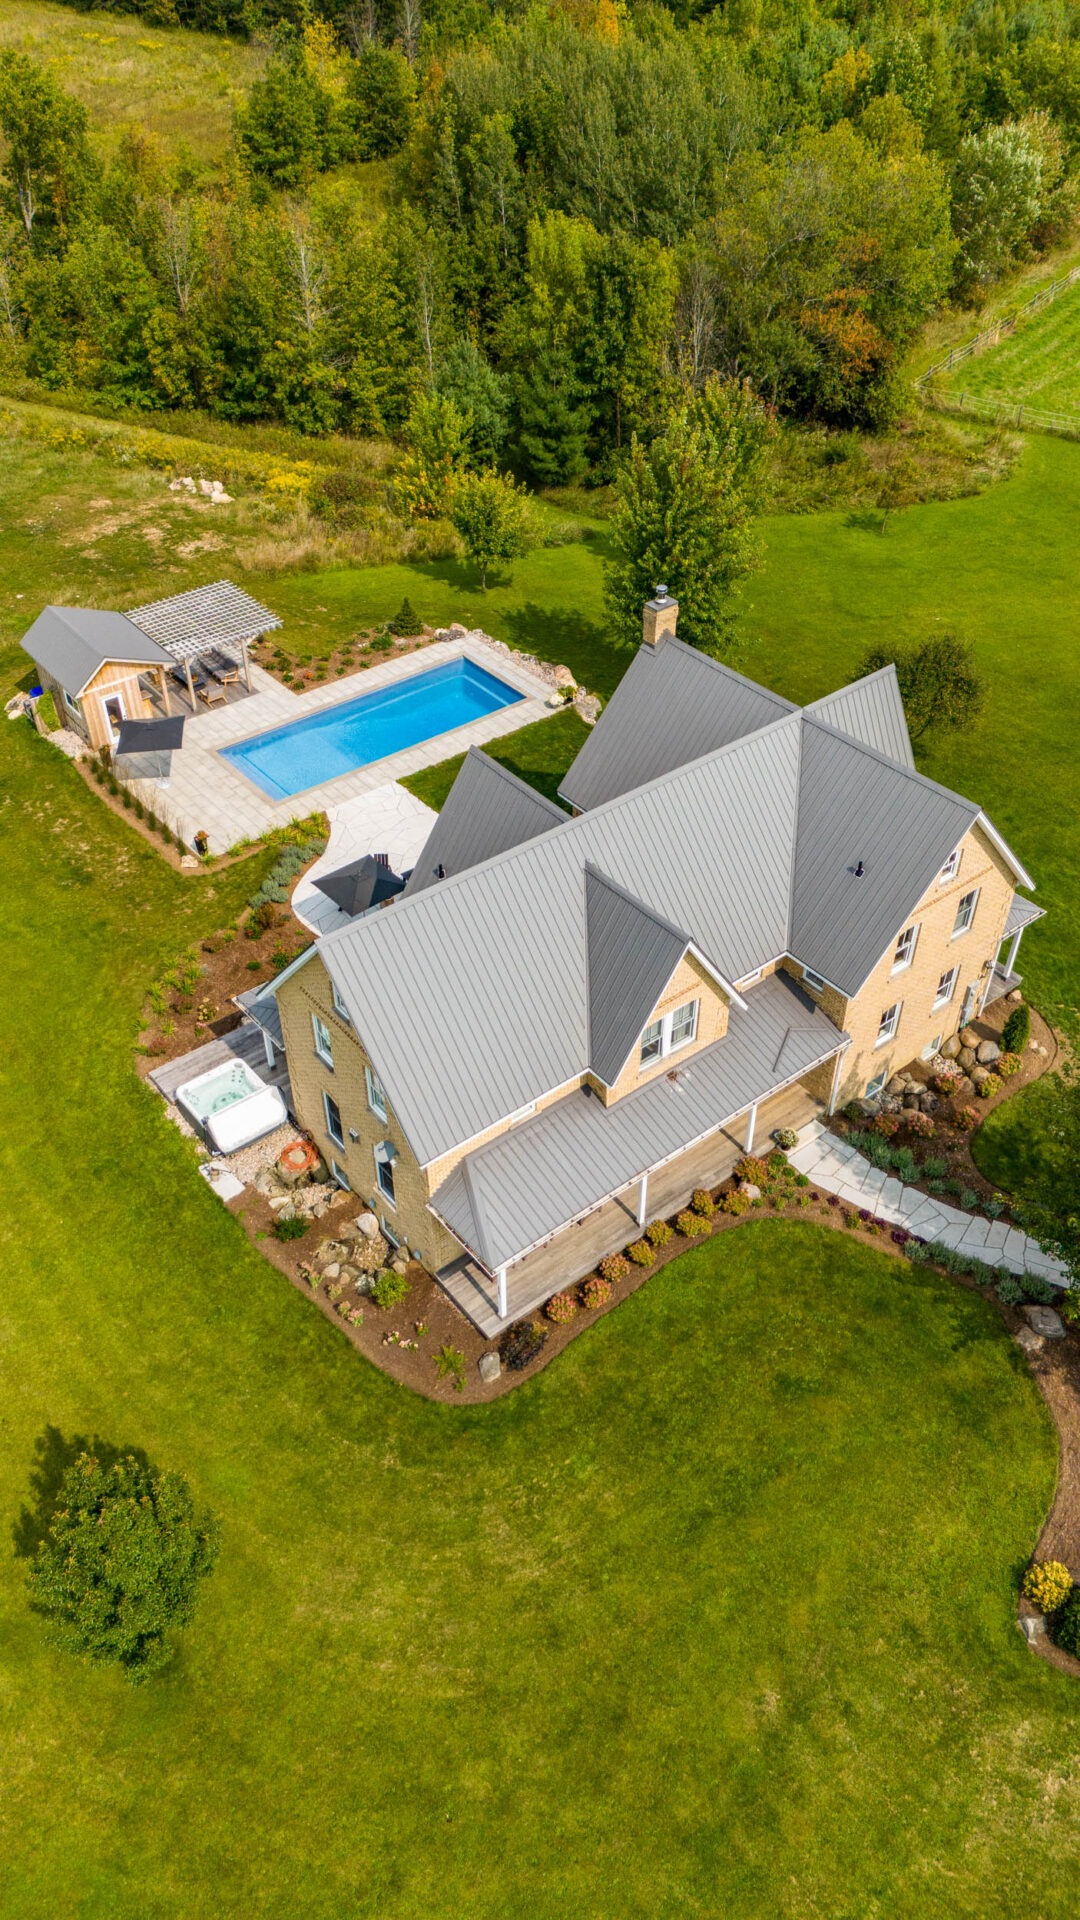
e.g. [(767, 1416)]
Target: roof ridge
[(729, 672), (488, 761), (863, 680), (886, 759), (592, 871)]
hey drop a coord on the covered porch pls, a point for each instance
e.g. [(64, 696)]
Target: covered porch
[(574, 1251), (1003, 975), (206, 633)]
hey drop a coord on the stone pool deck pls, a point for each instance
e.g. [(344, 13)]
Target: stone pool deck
[(836, 1167), (203, 792)]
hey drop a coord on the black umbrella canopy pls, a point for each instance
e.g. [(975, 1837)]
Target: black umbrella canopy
[(150, 736), (362, 884)]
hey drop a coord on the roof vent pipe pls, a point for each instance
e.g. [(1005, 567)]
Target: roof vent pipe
[(859, 870), (659, 618)]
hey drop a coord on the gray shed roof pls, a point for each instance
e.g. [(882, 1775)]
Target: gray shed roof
[(872, 711), (74, 643), (630, 955), (506, 1196), (672, 705), (188, 624), (1021, 914), (487, 810)]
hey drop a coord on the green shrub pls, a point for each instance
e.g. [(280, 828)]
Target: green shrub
[(968, 1199), (1009, 1291), (640, 1252), (561, 1308), (390, 1288), (735, 1202), (1069, 1305), (1067, 1629), (987, 1088), (293, 1227), (450, 1365), (1047, 1584), (691, 1225), (905, 1164), (595, 1292), (1039, 1291), (1015, 1032), (658, 1233), (702, 1202), (880, 1155), (614, 1268), (934, 1168)]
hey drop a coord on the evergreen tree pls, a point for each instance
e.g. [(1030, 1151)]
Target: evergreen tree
[(554, 419), (480, 395)]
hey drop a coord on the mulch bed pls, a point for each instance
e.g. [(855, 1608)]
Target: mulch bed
[(368, 647), (228, 968)]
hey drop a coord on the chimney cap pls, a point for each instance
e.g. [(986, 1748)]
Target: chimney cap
[(662, 597)]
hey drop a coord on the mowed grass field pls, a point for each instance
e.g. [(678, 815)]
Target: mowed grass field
[(1038, 365), (177, 84), (716, 1615)]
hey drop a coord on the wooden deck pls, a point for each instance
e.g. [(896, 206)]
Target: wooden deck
[(574, 1252), (243, 1043)]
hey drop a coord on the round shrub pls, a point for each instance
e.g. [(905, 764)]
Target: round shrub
[(690, 1225), (1009, 1291), (640, 1252), (735, 1203), (613, 1269), (1067, 1631), (966, 1118), (1007, 1064), (755, 1171), (595, 1291), (886, 1124), (921, 1124), (1014, 1034), (1040, 1291), (561, 1308), (292, 1228), (702, 1202), (658, 1233), (1047, 1584), (988, 1087), (389, 1289)]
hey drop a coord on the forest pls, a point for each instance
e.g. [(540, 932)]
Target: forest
[(587, 209)]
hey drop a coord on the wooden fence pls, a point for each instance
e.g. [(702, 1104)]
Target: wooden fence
[(990, 336), (1005, 412)]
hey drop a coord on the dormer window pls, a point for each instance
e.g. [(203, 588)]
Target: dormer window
[(905, 949), (951, 868), (671, 1031)]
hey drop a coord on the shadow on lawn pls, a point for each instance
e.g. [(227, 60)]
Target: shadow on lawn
[(568, 639), (53, 1455)]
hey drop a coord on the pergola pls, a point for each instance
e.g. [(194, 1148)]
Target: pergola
[(193, 623)]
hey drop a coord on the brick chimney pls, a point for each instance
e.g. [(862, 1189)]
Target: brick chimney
[(659, 618)]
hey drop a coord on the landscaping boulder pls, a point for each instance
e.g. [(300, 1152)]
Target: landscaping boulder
[(928, 1101), (911, 1099), (1014, 995), (332, 1271), (1030, 1341), (968, 1037), (979, 1074), (898, 1083), (951, 1048), (1033, 1627), (1044, 1321), (987, 1052), (367, 1223), (588, 706), (963, 1087), (490, 1366), (368, 1256), (564, 678), (966, 1058), (400, 1263), (748, 1188)]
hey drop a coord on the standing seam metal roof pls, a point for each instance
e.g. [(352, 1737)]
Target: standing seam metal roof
[(487, 810), (872, 711), (74, 643), (630, 955)]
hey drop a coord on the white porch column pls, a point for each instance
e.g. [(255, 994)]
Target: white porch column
[(751, 1123), (268, 1048), (642, 1199), (835, 1087), (247, 664), (1010, 965), (500, 1281)]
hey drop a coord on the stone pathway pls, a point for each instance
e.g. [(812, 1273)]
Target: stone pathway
[(389, 820), (837, 1168)]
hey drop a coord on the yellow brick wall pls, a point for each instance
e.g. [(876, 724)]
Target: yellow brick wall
[(689, 982)]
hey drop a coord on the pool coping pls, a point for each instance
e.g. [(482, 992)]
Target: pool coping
[(205, 793)]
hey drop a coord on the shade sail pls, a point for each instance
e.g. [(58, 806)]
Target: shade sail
[(151, 736), (362, 884)]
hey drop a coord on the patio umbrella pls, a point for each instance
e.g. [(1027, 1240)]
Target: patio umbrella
[(151, 736), (361, 884)]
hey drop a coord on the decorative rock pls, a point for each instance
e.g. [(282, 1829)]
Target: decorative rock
[(912, 1099), (951, 1048), (367, 1223), (964, 1086), (928, 1101), (399, 1263), (979, 1074), (987, 1052), (588, 706), (751, 1192), (866, 1108), (333, 1271), (1032, 1626), (564, 678), (490, 1366), (898, 1083), (188, 861), (968, 1037), (1014, 995), (1045, 1321), (1029, 1340), (966, 1058)]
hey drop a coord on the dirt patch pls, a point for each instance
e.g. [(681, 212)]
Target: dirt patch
[(229, 963)]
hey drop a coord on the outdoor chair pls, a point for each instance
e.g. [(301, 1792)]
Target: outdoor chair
[(221, 666)]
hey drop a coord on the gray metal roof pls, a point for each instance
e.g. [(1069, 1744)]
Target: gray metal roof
[(872, 711), (188, 624), (672, 705), (505, 1197), (630, 955), (487, 810), (854, 805), (1021, 914), (264, 1010), (74, 643)]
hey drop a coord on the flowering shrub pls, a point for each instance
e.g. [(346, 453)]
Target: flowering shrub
[(967, 1117), (786, 1137), (640, 1252), (658, 1233), (734, 1203), (702, 1202), (1048, 1584), (595, 1291), (561, 1308), (921, 1124), (613, 1269), (944, 1083), (1007, 1064), (988, 1087), (756, 1171), (690, 1225), (886, 1124)]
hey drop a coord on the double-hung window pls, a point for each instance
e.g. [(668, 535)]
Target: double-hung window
[(946, 987), (905, 949), (812, 980), (385, 1155), (323, 1046), (376, 1097), (951, 868), (333, 1120), (965, 912), (339, 1005), (671, 1031), (888, 1023)]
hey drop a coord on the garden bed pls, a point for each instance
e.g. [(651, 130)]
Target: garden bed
[(367, 647)]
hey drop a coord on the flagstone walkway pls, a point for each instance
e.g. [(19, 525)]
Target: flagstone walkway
[(837, 1168)]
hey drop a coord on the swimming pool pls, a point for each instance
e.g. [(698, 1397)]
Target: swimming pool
[(339, 739)]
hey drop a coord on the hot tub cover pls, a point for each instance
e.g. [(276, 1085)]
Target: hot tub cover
[(246, 1120)]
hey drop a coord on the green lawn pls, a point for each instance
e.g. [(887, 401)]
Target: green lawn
[(716, 1615), (539, 754), (1038, 364), (1015, 1146)]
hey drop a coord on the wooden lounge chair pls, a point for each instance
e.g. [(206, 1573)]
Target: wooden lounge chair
[(223, 668), (211, 694)]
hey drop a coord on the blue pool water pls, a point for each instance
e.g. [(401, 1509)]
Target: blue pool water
[(342, 738)]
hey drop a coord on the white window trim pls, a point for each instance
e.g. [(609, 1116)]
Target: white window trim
[(901, 963), (385, 1160), (951, 868), (665, 1022), (932, 1046), (71, 702), (521, 1114), (325, 1051), (374, 1089), (883, 1039), (339, 1004), (973, 895), (812, 980), (328, 1101), (340, 1176), (874, 1086), (941, 999), (749, 978)]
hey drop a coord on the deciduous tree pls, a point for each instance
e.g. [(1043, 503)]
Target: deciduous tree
[(938, 682), (491, 515)]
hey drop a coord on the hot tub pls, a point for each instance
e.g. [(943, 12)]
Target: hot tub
[(231, 1105)]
